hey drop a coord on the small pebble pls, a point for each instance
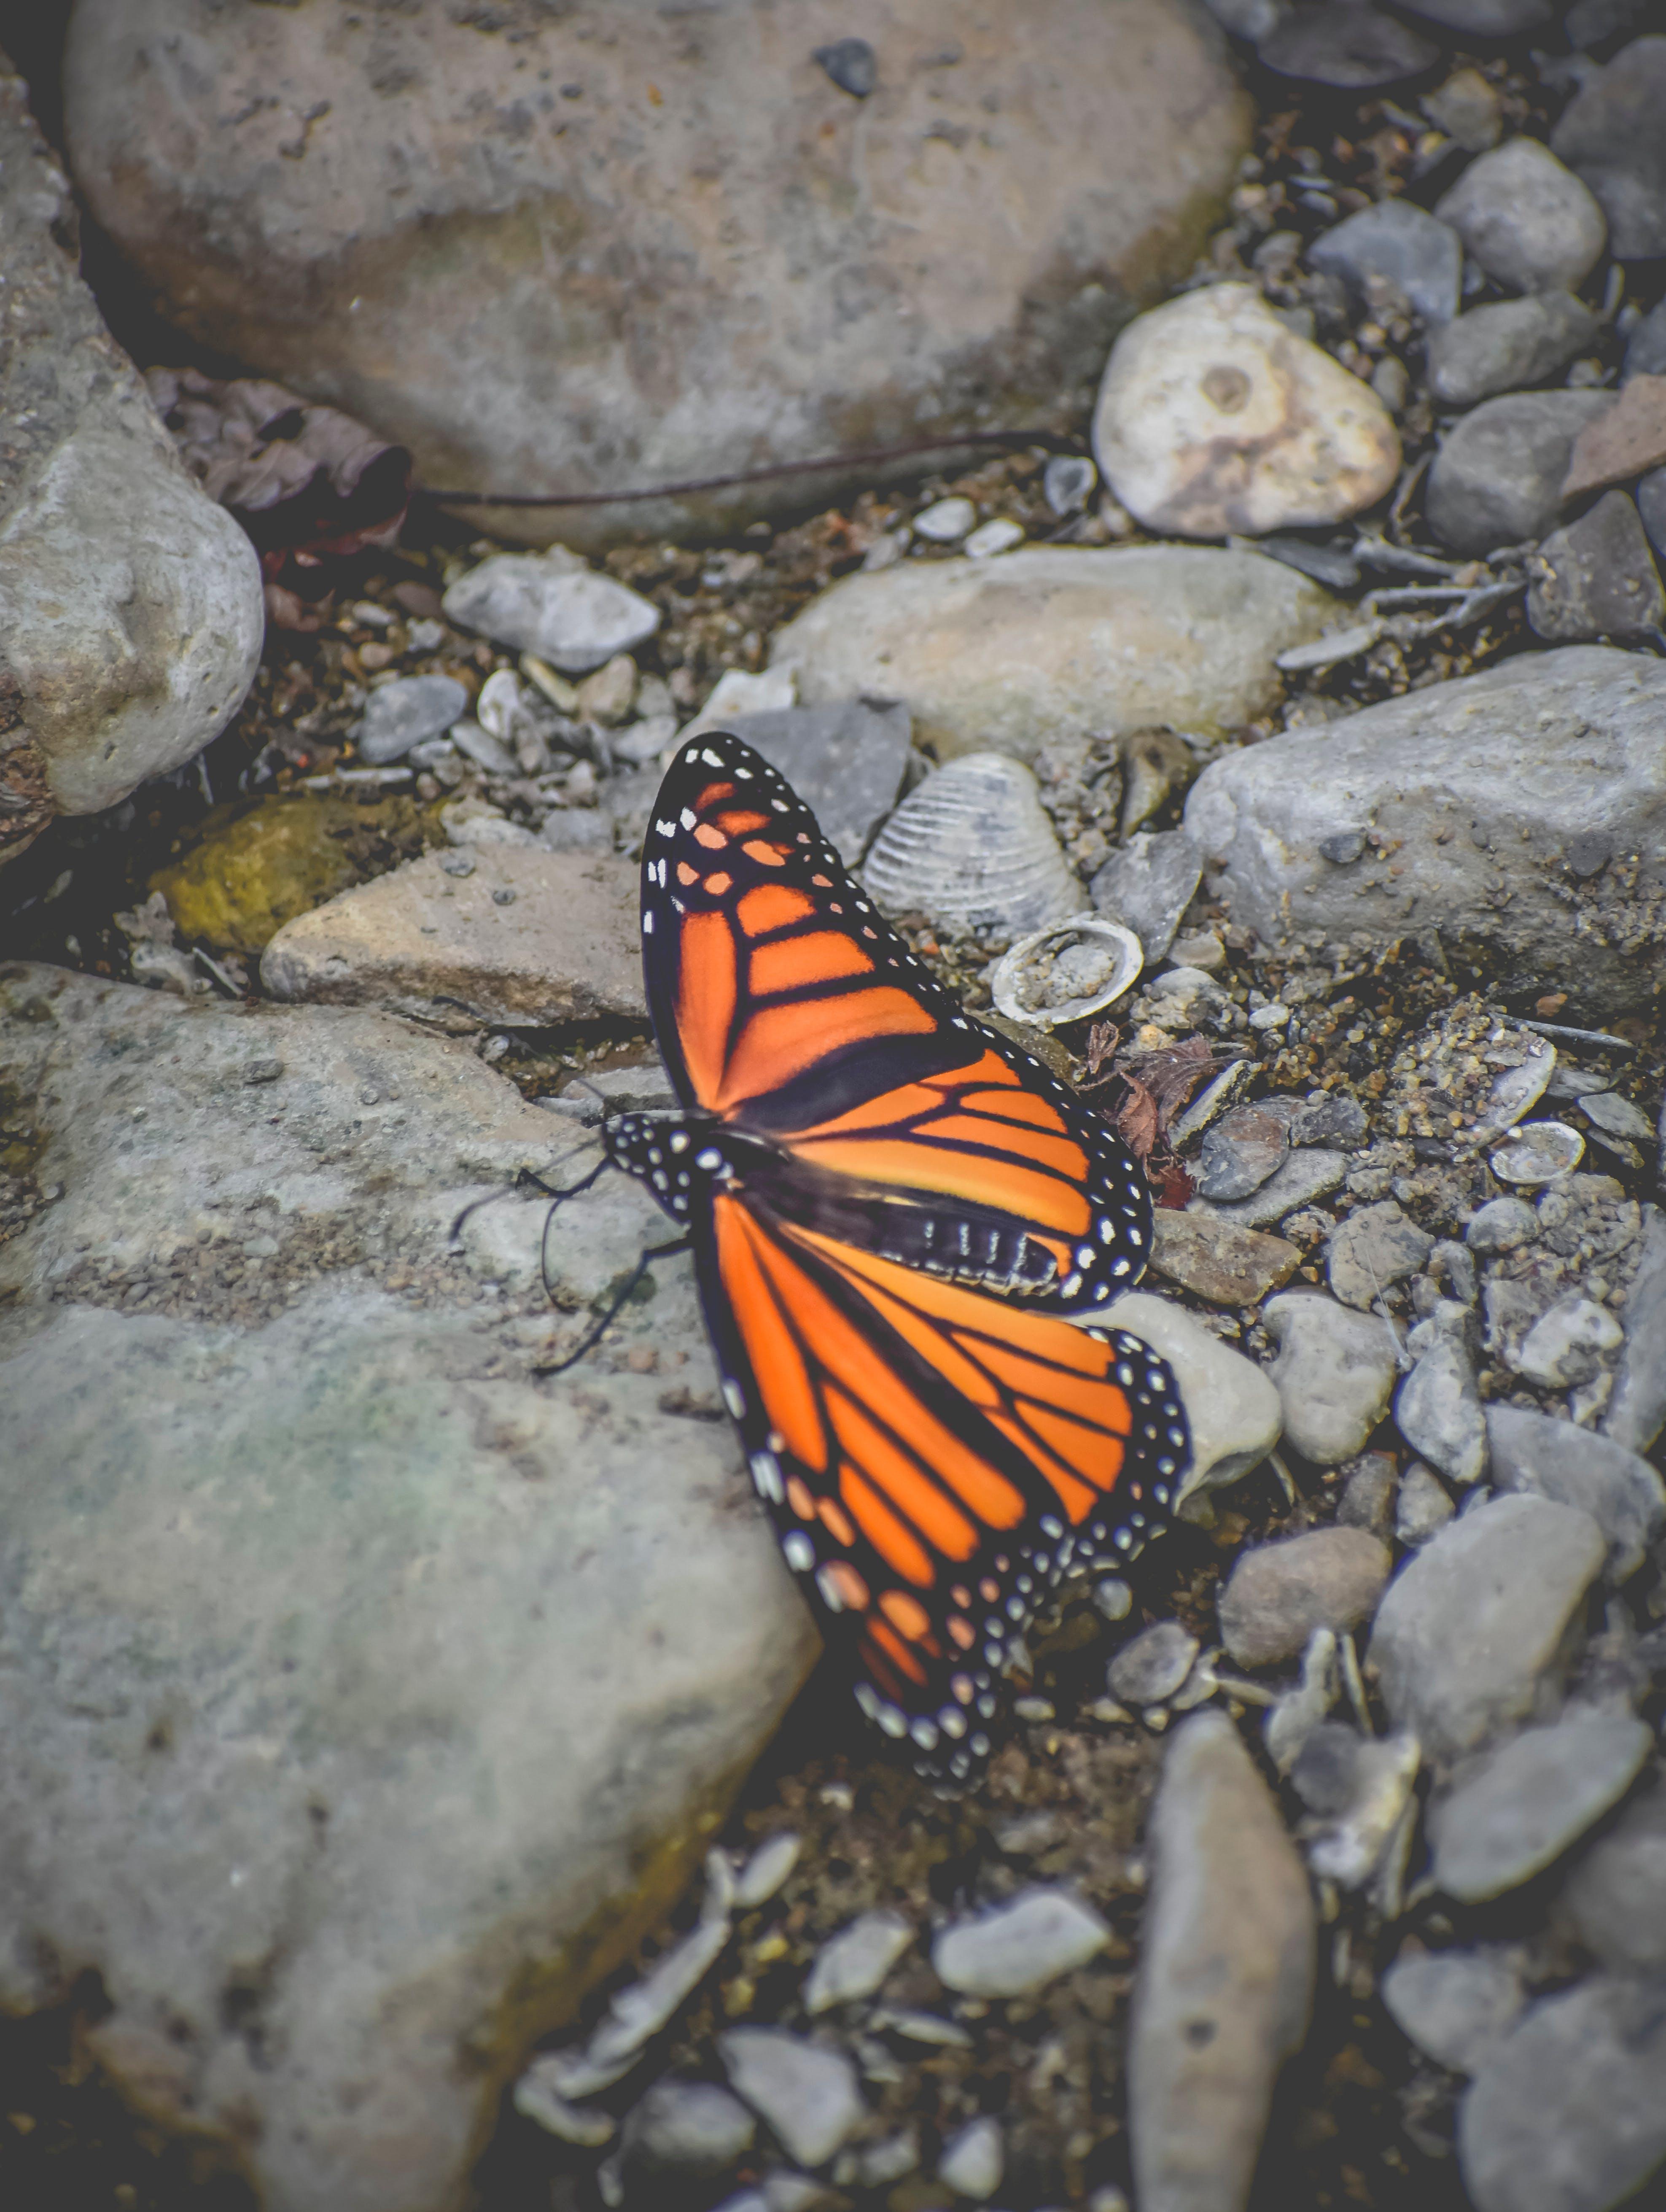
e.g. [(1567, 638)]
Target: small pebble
[(856, 1960), (695, 2128), (1619, 1489), (1529, 1801), (1000, 536), (852, 64), (946, 521), (1397, 239), (807, 2094), (1335, 1372), (1304, 1177), (1597, 578), (1358, 1789), (1146, 884), (1497, 478), (1507, 347), (1467, 107), (1377, 1247), (1369, 1495), (1240, 1151), (1337, 1119), (1113, 1598), (1346, 44), (1566, 1345), (1454, 2005), (550, 604), (1609, 133), (1067, 483), (1609, 1111), (766, 1870), (1423, 1506), (1503, 1224), (1526, 220), (1438, 1410), (1233, 1407), (1020, 1947), (403, 714), (1292, 1720), (974, 2160), (1152, 1665), (1277, 1594)]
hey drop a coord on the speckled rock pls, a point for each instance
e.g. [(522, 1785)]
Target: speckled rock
[(456, 247), (1277, 1594), (1483, 785), (525, 938), (1225, 1976), (131, 610), (1477, 1631), (1219, 1260), (1057, 641), (284, 1502), (1497, 477), (1528, 1802), (1507, 347), (1304, 1176), (1373, 1248), (1553, 1459), (1527, 220), (1336, 1373), (1597, 578), (1567, 2112), (1214, 417)]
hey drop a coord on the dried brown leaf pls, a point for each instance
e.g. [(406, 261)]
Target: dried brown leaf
[(1137, 1119)]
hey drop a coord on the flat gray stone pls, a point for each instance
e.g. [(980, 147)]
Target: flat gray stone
[(1454, 2005), (1346, 44), (1020, 1946), (1304, 1177), (1053, 642), (1240, 1152), (1527, 220), (1568, 1343), (314, 1548), (1404, 243), (854, 1962), (1501, 1225), (1277, 1594), (808, 2095), (1336, 1373), (527, 939), (684, 2128), (846, 761), (1497, 478), (1477, 1631), (1567, 2112), (1616, 1895), (1609, 133), (1507, 347), (1372, 1249), (1517, 1812), (1597, 578), (1147, 884), (408, 712), (1438, 1410), (1225, 1984), (552, 605), (1338, 1120), (1637, 1412), (1489, 788), (1619, 1489), (130, 607), (1369, 1494)]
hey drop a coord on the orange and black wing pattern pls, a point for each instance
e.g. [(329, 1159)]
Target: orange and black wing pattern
[(788, 1009), (935, 1460)]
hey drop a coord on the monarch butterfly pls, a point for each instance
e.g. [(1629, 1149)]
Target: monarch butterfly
[(892, 1211)]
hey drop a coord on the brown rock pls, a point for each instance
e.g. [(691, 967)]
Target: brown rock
[(1627, 441), (1279, 1593), (1597, 578), (527, 939), (556, 249), (1219, 1260)]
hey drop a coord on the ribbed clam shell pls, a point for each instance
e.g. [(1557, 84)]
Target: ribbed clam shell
[(972, 848), (1067, 971)]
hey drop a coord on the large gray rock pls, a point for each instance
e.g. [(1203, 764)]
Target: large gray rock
[(1609, 133), (1478, 1630), (1475, 792), (1335, 1372), (1555, 1459), (1523, 1806), (1053, 642), (363, 1697), (1527, 220), (130, 613), (1567, 2114), (551, 250), (1225, 1980)]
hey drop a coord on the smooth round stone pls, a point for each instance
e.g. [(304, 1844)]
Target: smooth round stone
[(1152, 1665), (1454, 2005), (688, 2128), (1497, 479), (1213, 417), (946, 522), (1401, 241), (551, 606), (1232, 1406), (1503, 1224), (1528, 220), (1279, 1593), (1336, 1373), (766, 1870), (1020, 1946), (1345, 44), (406, 712), (1507, 347), (808, 2095), (1000, 536), (1531, 1801), (1610, 132)]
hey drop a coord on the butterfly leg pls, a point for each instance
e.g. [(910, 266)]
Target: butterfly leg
[(591, 1336)]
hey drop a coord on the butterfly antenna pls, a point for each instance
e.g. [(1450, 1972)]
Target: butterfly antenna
[(594, 1334), (528, 1179)]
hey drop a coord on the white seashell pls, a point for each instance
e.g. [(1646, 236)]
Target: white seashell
[(1541, 1152), (1067, 971), (972, 848), (1519, 1089), (499, 704)]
